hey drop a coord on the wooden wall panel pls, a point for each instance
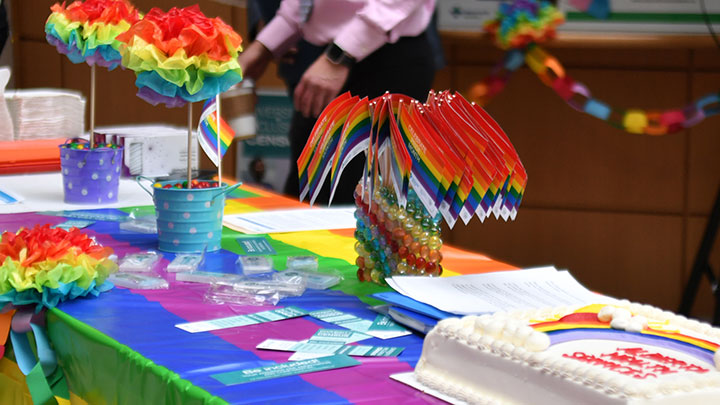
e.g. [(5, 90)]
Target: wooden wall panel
[(621, 58), (37, 64), (704, 155), (706, 59), (575, 160), (30, 18), (704, 304)]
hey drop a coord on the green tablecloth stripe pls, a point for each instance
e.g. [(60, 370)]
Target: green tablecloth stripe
[(96, 361), (348, 285)]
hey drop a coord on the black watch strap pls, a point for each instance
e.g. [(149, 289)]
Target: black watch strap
[(336, 55)]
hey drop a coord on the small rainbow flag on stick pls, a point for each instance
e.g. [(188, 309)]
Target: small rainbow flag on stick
[(209, 135), (452, 154)]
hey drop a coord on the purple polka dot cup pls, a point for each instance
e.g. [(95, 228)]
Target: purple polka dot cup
[(90, 176)]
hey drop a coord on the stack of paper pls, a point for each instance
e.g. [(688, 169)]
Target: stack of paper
[(152, 149), (441, 297), (46, 113)]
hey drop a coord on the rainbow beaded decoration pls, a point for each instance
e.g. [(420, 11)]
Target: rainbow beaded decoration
[(392, 240)]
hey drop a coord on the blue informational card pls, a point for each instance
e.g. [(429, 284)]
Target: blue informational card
[(285, 369), (255, 245)]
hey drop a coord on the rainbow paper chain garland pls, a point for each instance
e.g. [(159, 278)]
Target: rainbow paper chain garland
[(510, 32), (87, 31), (181, 56), (44, 266)]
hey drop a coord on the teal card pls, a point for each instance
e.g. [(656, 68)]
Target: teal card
[(285, 369), (380, 328), (242, 320), (255, 245), (384, 323), (348, 321), (341, 336), (92, 216), (74, 223)]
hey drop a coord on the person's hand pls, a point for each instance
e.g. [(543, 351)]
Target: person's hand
[(319, 85), (254, 60)]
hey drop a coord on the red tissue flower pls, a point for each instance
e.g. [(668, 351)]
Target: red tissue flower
[(94, 11), (185, 28), (45, 243)]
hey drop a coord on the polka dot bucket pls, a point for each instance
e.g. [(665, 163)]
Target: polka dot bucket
[(90, 176), (188, 220)]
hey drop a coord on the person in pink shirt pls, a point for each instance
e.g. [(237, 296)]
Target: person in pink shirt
[(366, 47)]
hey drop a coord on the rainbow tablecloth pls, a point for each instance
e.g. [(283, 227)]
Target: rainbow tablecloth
[(123, 347)]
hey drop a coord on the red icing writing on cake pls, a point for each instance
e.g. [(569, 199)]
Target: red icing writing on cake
[(637, 363)]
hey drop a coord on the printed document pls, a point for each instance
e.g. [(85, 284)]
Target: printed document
[(499, 291)]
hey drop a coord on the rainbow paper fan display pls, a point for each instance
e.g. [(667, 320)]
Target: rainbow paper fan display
[(43, 266), (181, 56), (87, 31), (524, 22), (445, 159)]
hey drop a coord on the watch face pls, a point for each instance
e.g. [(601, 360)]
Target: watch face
[(334, 53)]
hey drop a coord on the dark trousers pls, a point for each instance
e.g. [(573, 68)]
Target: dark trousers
[(406, 67)]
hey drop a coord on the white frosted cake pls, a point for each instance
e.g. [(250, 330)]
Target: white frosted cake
[(599, 354)]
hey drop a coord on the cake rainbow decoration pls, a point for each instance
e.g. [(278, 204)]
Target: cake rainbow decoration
[(584, 324), (87, 31), (181, 56)]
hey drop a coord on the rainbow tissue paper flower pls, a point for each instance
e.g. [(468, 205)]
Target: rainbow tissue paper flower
[(523, 22), (44, 266), (87, 31), (181, 56)]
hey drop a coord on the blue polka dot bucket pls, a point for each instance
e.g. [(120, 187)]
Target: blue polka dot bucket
[(90, 176), (188, 220)]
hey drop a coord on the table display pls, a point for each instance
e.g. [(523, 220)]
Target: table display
[(134, 333)]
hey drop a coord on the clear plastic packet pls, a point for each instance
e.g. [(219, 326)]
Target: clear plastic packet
[(140, 221), (315, 280), (144, 224), (139, 281), (208, 277), (254, 265), (186, 262), (285, 288), (226, 294), (141, 262), (305, 263)]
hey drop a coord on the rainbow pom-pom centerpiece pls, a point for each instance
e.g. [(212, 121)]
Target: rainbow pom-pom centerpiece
[(44, 266)]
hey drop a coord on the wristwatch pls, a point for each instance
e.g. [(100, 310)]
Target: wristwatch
[(336, 55)]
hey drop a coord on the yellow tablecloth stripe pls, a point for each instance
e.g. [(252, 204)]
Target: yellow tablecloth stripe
[(327, 244), (14, 391)]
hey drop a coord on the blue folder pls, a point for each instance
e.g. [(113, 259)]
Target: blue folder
[(412, 319), (403, 301)]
